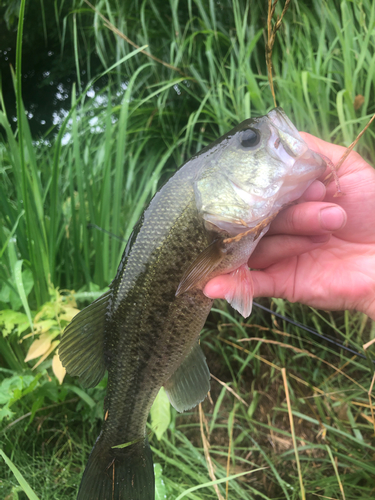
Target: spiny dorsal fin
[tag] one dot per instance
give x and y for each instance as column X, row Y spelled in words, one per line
column 202, row 266
column 81, row 349
column 190, row 383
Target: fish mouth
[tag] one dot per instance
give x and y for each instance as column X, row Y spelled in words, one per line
column 279, row 119
column 305, row 169
column 303, row 165
column 286, row 145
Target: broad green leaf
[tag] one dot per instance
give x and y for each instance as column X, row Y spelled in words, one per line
column 28, row 280
column 32, row 382
column 44, row 326
column 14, row 299
column 5, row 412
column 160, row 487
column 5, row 293
column 11, row 385
column 160, row 414
column 9, row 320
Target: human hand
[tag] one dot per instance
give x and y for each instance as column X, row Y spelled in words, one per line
column 320, row 252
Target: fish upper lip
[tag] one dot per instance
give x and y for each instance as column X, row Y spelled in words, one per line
column 280, row 120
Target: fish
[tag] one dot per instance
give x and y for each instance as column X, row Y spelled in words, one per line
column 205, row 221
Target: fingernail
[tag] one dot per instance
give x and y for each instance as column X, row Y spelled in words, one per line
column 332, row 218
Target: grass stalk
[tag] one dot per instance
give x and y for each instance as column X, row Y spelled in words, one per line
column 291, row 421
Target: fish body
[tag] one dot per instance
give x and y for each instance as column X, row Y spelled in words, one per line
column 205, row 221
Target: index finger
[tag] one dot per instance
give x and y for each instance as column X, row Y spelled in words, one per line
column 331, row 151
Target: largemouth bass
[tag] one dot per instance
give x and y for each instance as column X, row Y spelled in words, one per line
column 205, row 221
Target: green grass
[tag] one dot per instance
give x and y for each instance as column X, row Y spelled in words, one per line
column 333, row 428
column 102, row 164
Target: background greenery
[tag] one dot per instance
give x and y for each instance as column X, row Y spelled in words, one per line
column 116, row 124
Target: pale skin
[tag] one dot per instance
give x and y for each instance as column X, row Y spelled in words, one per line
column 320, row 252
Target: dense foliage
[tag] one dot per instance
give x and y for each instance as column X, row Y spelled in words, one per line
column 124, row 121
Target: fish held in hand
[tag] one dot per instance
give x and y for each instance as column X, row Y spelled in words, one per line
column 205, row 221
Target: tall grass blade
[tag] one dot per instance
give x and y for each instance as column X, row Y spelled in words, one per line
column 21, row 480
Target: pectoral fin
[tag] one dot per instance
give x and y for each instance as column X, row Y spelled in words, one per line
column 240, row 295
column 190, row 383
column 201, row 267
column 81, row 349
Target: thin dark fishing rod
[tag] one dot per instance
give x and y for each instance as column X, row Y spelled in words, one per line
column 94, row 226
column 311, row 330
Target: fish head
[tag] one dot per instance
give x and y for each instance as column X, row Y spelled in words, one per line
column 254, row 170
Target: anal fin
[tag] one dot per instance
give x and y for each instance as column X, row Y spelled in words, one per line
column 190, row 383
column 240, row 295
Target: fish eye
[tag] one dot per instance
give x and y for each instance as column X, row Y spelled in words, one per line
column 250, row 138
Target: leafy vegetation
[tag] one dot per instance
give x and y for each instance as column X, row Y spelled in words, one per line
column 123, row 134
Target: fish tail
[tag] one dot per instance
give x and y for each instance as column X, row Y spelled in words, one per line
column 118, row 473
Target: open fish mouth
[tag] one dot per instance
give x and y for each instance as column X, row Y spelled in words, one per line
column 286, row 144
column 280, row 120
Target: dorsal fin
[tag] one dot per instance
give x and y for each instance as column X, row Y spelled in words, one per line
column 81, row 349
column 190, row 383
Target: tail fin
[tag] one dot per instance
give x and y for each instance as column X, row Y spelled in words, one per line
column 118, row 473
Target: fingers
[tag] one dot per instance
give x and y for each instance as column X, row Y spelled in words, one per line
column 310, row 218
column 264, row 285
column 333, row 151
column 270, row 250
column 218, row 287
column 273, row 249
column 315, row 192
column 297, row 230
